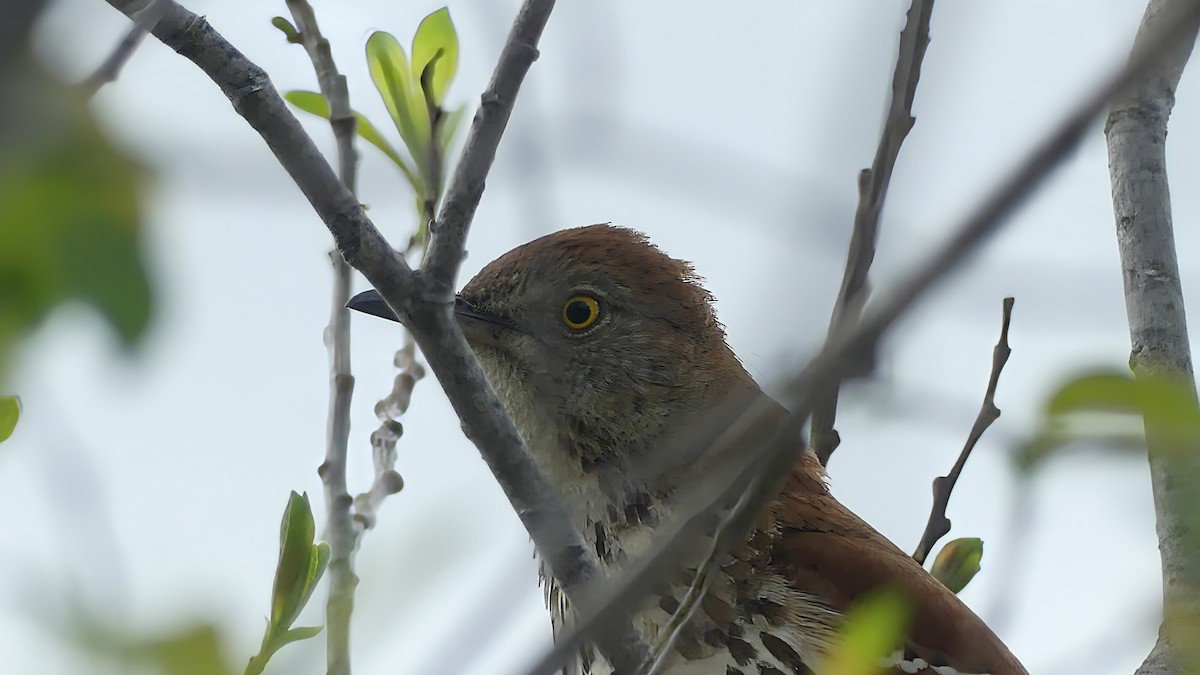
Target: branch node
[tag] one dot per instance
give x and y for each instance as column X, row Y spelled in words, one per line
column 938, row 525
column 872, row 190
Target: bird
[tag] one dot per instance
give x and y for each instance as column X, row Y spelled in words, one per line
column 604, row 351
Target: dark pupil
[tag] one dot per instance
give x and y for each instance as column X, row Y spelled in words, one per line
column 578, row 312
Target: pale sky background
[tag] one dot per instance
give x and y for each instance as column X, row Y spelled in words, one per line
column 731, row 133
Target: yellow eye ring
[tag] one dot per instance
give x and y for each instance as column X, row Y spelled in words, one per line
column 580, row 312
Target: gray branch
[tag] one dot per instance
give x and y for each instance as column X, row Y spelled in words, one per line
column 1137, row 134
column 422, row 301
column 447, row 246
column 872, row 190
column 340, row 527
column 111, row 68
column 938, row 524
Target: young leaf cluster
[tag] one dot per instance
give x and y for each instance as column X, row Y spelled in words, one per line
column 302, row 561
column 414, row 92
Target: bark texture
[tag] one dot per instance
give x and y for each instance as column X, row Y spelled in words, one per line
column 1137, row 134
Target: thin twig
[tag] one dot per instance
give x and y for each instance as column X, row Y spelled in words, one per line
column 340, row 529
column 388, row 410
column 943, row 486
column 449, row 231
column 111, row 68
column 852, row 354
column 872, row 191
column 423, row 305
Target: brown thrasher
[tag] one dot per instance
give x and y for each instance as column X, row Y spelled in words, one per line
column 603, row 348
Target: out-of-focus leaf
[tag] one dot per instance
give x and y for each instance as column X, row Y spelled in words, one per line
column 10, row 412
column 958, row 562
column 1112, row 409
column 70, row 221
column 436, row 39
column 1181, row 623
column 393, row 78
column 1166, row 399
column 315, row 104
column 194, row 651
column 872, row 632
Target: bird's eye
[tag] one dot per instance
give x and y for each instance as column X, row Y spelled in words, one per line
column 580, row 312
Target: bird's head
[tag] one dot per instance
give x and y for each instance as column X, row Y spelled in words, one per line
column 613, row 341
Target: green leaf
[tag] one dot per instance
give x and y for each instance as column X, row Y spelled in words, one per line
column 450, row 128
column 436, row 39
column 871, row 633
column 393, row 78
column 958, row 562
column 289, row 31
column 303, row 633
column 71, row 220
column 320, row 563
column 1113, row 409
column 10, row 412
column 315, row 104
column 194, row 651
column 297, row 560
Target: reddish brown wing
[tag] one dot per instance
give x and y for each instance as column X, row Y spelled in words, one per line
column 828, row 552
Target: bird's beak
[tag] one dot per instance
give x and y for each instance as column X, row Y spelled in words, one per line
column 371, row 302
column 479, row 327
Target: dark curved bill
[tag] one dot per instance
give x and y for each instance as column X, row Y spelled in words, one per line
column 371, row 302
column 464, row 310
column 476, row 324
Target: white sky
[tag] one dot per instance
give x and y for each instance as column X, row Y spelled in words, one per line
column 732, row 134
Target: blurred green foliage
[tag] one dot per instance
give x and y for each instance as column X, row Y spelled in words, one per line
column 872, row 631
column 1113, row 409
column 1116, row 410
column 10, row 412
column 194, row 650
column 71, row 222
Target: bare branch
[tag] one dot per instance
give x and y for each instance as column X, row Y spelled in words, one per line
column 340, row 531
column 449, row 232
column 383, row 440
column 852, row 354
column 111, row 68
column 340, row 527
column 424, row 305
column 1136, row 134
column 872, row 190
column 333, row 88
column 943, row 486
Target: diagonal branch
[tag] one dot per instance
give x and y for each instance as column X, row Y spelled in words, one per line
column 449, row 231
column 943, row 486
column 852, row 354
column 254, row 97
column 111, row 68
column 423, row 301
column 872, row 190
